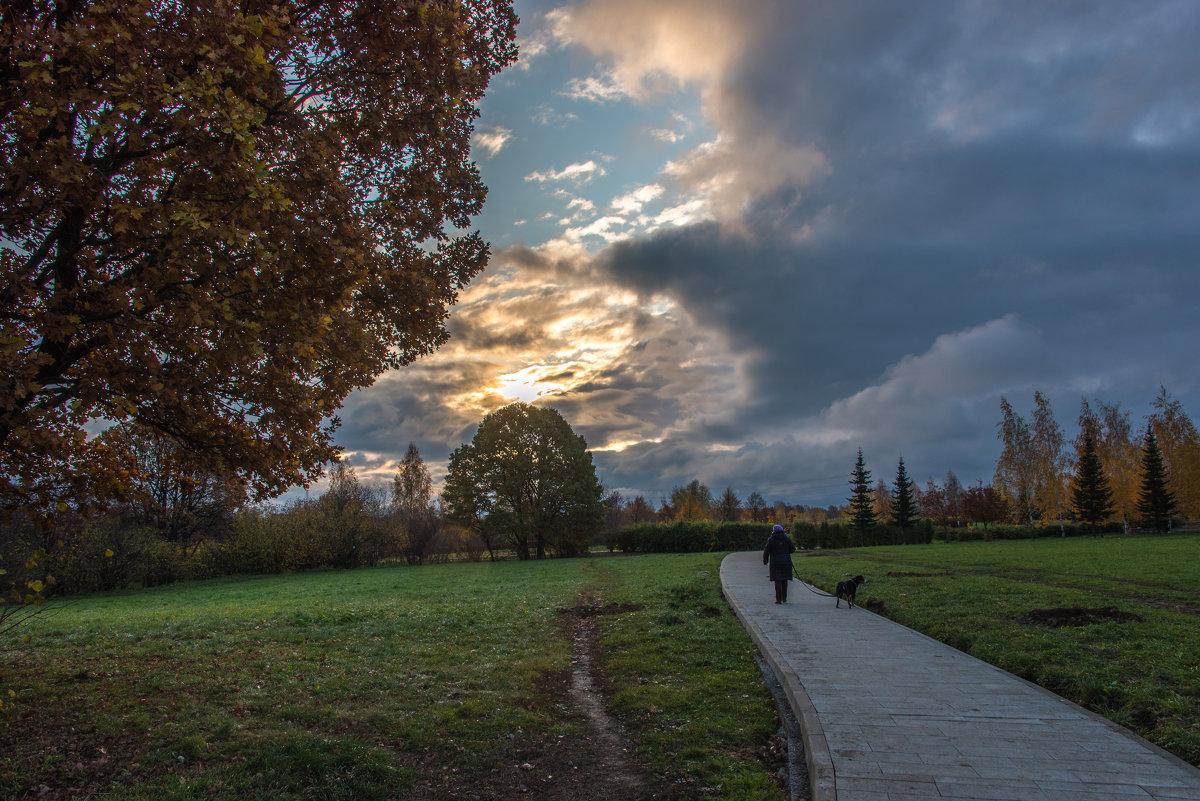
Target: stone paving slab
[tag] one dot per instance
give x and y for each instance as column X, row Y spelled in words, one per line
column 892, row 715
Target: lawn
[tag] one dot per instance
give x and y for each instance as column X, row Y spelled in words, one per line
column 383, row 683
column 448, row 681
column 1142, row 672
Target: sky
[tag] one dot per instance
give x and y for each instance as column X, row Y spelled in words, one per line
column 736, row 241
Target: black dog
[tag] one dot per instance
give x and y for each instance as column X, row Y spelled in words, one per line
column 846, row 589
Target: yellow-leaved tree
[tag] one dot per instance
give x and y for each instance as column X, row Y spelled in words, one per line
column 218, row 219
column 1180, row 443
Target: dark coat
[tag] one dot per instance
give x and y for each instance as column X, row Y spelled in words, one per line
column 778, row 554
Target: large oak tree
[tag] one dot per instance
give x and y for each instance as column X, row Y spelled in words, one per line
column 525, row 481
column 218, row 219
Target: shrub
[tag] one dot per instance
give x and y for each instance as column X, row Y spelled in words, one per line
column 682, row 537
column 740, row 536
column 275, row 541
column 110, row 553
column 677, row 537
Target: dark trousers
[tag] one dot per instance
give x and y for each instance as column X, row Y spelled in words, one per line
column 780, row 591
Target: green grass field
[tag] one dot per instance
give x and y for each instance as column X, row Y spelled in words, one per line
column 418, row 682
column 382, row 683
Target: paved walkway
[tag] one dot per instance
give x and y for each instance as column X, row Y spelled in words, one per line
column 890, row 714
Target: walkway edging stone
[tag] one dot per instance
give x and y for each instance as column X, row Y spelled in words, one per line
column 821, row 775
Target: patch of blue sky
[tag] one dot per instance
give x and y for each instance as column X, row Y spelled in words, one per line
column 564, row 158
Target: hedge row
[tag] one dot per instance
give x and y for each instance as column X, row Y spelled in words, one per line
column 1007, row 531
column 684, row 537
column 843, row 535
column 110, row 553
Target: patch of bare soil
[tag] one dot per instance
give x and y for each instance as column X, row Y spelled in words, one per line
column 898, row 574
column 597, row 763
column 875, row 605
column 1077, row 616
column 588, row 610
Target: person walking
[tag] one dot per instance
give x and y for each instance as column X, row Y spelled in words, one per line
column 778, row 554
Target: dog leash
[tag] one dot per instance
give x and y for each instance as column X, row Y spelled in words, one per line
column 808, row 586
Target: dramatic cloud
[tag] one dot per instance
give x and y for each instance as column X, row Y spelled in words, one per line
column 824, row 229
column 729, row 176
column 659, row 46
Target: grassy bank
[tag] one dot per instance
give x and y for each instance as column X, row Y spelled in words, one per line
column 381, row 683
column 982, row 597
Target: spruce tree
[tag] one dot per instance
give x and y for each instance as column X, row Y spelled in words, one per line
column 1091, row 495
column 1156, row 502
column 904, row 507
column 862, row 510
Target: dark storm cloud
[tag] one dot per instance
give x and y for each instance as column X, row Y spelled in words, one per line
column 1035, row 163
column 912, row 209
column 410, row 406
column 849, row 77
column 478, row 335
column 1063, row 236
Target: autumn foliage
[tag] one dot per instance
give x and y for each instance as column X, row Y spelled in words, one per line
column 218, row 219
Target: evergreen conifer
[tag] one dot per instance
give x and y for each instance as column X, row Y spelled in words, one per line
column 1156, row 502
column 904, row 507
column 862, row 510
column 1091, row 495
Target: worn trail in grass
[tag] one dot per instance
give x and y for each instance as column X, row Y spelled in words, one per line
column 386, row 683
column 1143, row 673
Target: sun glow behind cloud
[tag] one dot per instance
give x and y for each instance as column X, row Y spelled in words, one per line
column 527, row 385
column 578, row 347
column 689, row 197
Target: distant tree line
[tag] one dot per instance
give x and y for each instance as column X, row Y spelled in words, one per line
column 701, row 536
column 1113, row 476
column 176, row 522
column 526, row 487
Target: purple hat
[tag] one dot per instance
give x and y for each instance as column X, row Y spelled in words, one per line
column 777, row 527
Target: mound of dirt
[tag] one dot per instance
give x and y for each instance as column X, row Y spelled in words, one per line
column 1077, row 616
column 875, row 605
column 591, row 610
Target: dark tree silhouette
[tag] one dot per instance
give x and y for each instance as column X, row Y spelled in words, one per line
column 757, row 507
column 1156, row 502
column 729, row 505
column 862, row 510
column 1091, row 495
column 526, row 481
column 904, row 507
column 412, row 505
